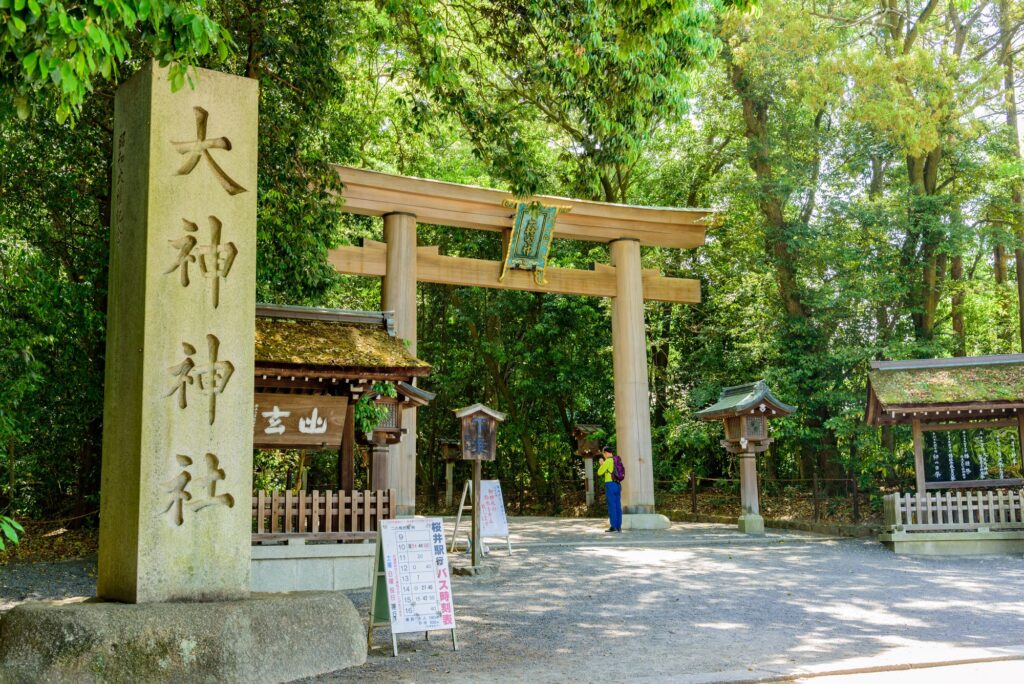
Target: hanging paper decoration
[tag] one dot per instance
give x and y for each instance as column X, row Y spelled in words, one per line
column 530, row 243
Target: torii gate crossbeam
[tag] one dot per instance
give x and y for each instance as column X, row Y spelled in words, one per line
column 405, row 201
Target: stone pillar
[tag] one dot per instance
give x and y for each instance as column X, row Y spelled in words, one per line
column 588, row 473
column 176, row 479
column 449, row 485
column 750, row 521
column 632, row 400
column 398, row 294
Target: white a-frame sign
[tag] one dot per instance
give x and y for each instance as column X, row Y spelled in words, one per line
column 412, row 582
column 493, row 520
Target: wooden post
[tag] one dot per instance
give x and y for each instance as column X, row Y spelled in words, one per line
column 693, row 492
column 347, row 455
column 748, row 484
column 1020, row 426
column 853, row 484
column 629, row 361
column 449, row 485
column 918, row 456
column 476, row 514
column 588, row 474
column 379, row 467
column 814, row 493
column 856, row 503
column 398, row 294
column 750, row 520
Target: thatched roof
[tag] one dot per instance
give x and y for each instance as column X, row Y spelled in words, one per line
column 975, row 384
column 344, row 343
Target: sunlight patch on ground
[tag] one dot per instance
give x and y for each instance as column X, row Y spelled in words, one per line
column 874, row 615
column 721, row 625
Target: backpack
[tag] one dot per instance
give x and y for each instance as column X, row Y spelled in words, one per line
column 618, row 471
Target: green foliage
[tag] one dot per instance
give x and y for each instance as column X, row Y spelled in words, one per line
column 9, row 529
column 605, row 75
column 854, row 177
column 53, row 53
column 368, row 412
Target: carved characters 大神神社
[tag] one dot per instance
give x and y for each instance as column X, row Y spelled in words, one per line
column 203, row 488
column 214, row 259
column 200, row 149
column 210, row 379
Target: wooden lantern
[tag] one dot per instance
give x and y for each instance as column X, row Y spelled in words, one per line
column 744, row 411
column 479, row 429
column 586, row 445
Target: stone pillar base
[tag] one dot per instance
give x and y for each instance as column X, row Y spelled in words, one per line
column 645, row 521
column 266, row 638
column 751, row 523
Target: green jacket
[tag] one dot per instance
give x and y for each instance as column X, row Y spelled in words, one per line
column 606, row 469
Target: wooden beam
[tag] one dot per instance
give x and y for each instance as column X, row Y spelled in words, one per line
column 465, row 206
column 432, row 267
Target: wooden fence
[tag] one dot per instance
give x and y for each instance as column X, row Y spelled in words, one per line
column 320, row 516
column 966, row 510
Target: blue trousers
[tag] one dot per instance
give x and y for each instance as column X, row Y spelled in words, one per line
column 613, row 494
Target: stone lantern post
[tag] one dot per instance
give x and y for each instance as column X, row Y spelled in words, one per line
column 744, row 411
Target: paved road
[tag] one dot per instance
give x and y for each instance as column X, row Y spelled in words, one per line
column 702, row 603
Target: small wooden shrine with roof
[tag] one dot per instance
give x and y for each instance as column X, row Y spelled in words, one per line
column 966, row 416
column 312, row 366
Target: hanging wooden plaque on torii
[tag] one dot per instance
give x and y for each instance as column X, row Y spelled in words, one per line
column 530, row 243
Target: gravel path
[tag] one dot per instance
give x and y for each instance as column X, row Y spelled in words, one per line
column 20, row 582
column 704, row 603
column 697, row 603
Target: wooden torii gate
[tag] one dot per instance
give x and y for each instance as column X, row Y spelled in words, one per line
column 404, row 201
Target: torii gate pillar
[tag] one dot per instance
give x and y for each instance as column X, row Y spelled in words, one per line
column 632, row 400
column 398, row 294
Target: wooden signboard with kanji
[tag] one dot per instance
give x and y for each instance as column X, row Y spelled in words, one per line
column 298, row 420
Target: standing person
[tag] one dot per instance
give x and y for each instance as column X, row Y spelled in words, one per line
column 611, row 468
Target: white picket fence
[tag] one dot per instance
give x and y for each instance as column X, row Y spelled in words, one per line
column 1000, row 509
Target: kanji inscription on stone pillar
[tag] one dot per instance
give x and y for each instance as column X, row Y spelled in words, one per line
column 177, row 442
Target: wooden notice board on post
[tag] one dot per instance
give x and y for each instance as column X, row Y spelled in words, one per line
column 411, row 582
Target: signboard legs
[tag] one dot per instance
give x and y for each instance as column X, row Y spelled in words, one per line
column 497, row 508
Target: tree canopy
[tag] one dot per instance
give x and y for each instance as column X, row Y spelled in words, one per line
column 864, row 159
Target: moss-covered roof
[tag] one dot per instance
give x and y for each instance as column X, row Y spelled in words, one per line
column 742, row 398
column 971, row 381
column 330, row 343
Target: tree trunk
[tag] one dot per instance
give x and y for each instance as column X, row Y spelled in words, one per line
column 1006, row 35
column 957, row 307
column 659, row 366
column 819, row 452
column 999, row 259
